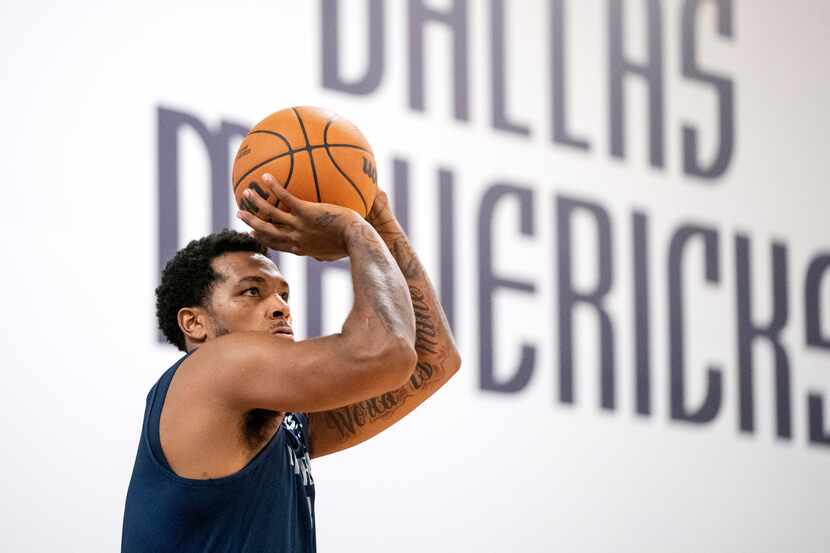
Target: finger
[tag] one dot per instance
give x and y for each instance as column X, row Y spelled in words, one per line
column 292, row 202
column 282, row 244
column 262, row 227
column 270, row 183
column 276, row 237
column 256, row 204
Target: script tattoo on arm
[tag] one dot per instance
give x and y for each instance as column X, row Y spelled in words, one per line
column 419, row 284
column 426, row 341
column 350, row 420
column 433, row 343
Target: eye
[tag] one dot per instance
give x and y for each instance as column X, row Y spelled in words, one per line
column 284, row 296
column 251, row 292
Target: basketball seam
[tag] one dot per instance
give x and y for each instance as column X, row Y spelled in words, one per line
column 290, row 152
column 255, row 167
column 345, row 176
column 362, row 149
column 308, row 151
column 312, row 146
column 260, row 164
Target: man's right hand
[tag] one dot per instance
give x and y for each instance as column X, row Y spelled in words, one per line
column 314, row 229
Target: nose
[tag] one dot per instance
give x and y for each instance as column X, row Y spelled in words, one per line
column 279, row 309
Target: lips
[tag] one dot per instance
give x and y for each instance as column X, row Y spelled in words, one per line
column 282, row 330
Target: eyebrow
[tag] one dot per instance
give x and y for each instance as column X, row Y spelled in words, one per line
column 260, row 280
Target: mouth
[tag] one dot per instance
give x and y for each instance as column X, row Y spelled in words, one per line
column 282, row 331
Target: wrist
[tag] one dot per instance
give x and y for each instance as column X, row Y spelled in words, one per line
column 386, row 224
column 355, row 229
column 380, row 216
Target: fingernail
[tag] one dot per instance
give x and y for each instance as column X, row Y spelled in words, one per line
column 267, row 177
column 247, row 193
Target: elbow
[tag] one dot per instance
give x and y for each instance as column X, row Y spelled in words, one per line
column 400, row 361
column 389, row 363
column 454, row 361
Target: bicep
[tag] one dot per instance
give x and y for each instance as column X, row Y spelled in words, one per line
column 255, row 370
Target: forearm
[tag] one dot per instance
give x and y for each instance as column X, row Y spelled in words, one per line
column 382, row 303
column 438, row 360
column 438, row 356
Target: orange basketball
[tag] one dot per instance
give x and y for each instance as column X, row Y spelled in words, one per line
column 316, row 155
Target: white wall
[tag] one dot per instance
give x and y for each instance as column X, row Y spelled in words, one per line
column 472, row 469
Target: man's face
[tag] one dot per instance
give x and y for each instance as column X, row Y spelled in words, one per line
column 250, row 295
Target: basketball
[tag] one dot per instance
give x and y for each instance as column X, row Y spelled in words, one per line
column 314, row 153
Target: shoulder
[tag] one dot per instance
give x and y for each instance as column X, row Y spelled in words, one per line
column 215, row 366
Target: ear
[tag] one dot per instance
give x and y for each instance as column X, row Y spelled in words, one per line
column 193, row 322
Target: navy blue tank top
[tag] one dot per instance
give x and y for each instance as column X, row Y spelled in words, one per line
column 268, row 506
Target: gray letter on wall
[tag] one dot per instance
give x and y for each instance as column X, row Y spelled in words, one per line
column 332, row 78
column 642, row 324
column 561, row 133
column 651, row 72
column 748, row 331
column 723, row 86
column 815, row 414
column 314, row 271
column 488, row 283
column 217, row 145
column 817, row 270
column 570, row 298
column 711, row 405
column 497, row 77
column 456, row 20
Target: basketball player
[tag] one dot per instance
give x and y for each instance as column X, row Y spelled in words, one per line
column 223, row 460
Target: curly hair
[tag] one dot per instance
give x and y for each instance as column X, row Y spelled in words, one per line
column 187, row 278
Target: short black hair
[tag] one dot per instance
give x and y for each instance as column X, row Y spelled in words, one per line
column 187, row 278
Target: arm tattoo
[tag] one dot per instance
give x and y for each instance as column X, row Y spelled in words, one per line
column 406, row 259
column 422, row 376
column 425, row 334
column 414, row 272
column 432, row 342
column 349, row 420
column 325, row 219
column 386, row 306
